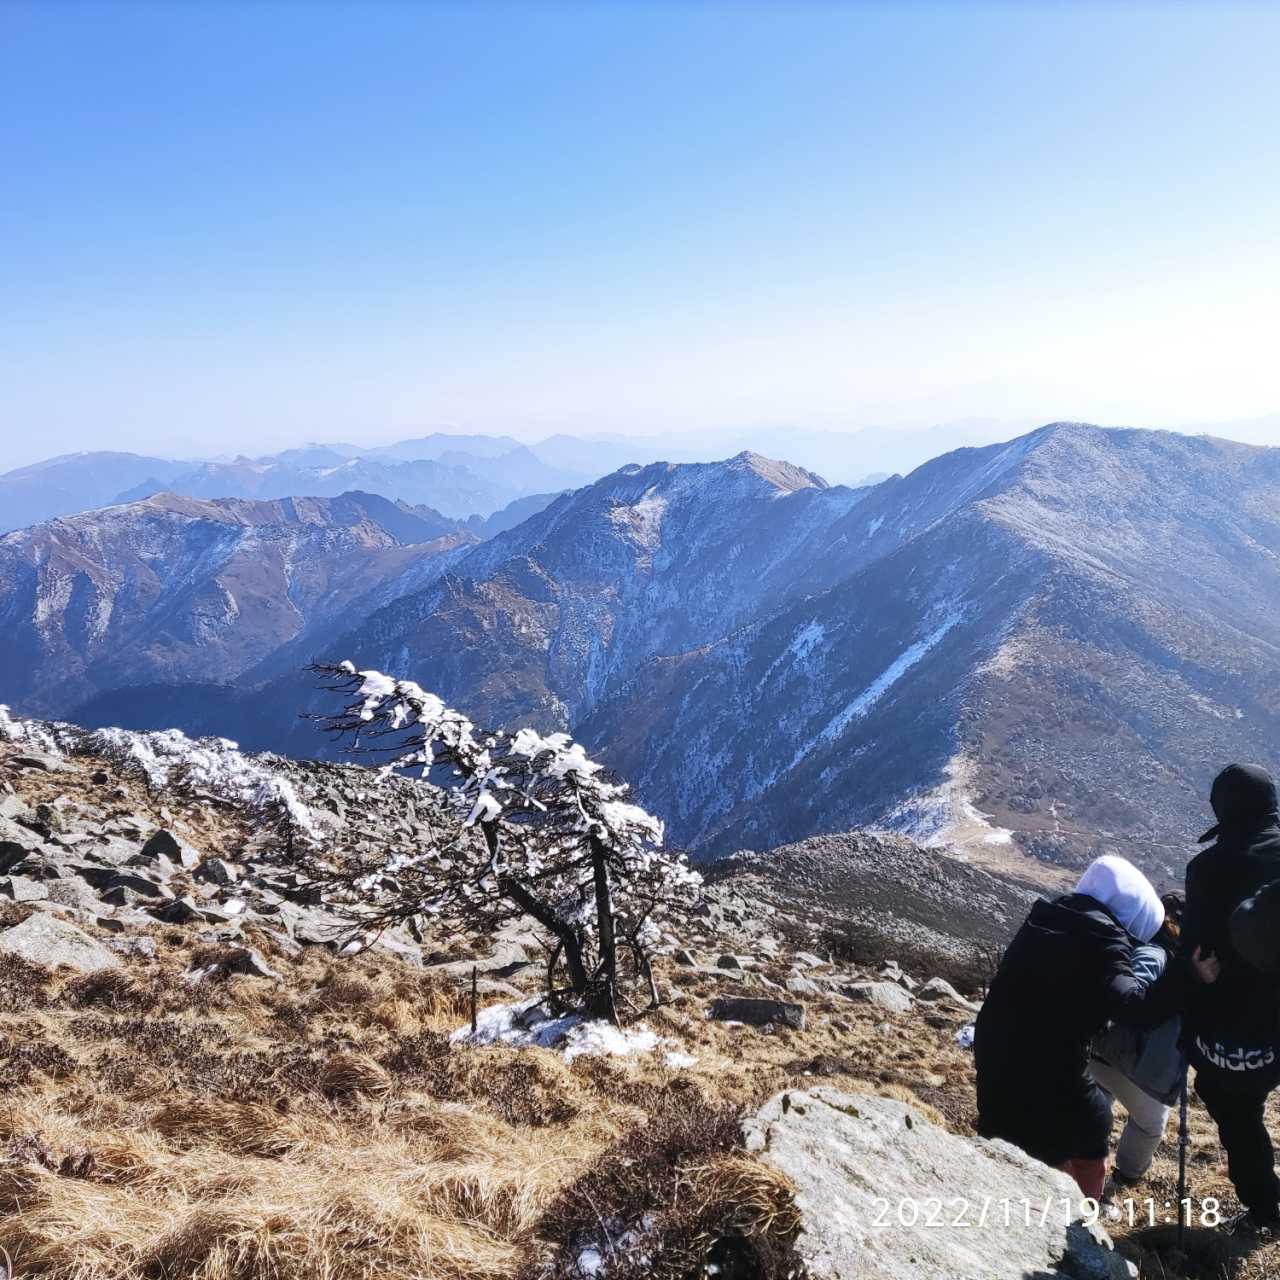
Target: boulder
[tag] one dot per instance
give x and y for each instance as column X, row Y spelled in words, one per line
column 730, row 962
column 941, row 989
column 805, row 987
column 879, row 1190
column 884, row 995
column 139, row 884
column 178, row 911
column 46, row 940
column 37, row 761
column 757, row 1012
column 23, row 889
column 175, row 848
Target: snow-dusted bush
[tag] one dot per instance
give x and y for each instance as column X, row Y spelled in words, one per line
column 537, row 830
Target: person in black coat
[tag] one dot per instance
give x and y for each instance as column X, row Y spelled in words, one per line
column 1065, row 975
column 1232, row 1028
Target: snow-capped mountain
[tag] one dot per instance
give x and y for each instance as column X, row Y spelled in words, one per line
column 178, row 589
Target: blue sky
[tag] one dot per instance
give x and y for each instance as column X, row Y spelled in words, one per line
column 238, row 226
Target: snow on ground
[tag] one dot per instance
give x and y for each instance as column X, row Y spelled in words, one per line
column 525, row 1025
column 946, row 816
column 167, row 756
column 880, row 685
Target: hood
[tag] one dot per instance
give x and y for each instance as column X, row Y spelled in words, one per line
column 1243, row 797
column 1120, row 887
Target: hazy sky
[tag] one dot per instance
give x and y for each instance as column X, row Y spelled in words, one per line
column 237, row 226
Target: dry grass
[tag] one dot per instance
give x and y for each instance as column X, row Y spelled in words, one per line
column 324, row 1128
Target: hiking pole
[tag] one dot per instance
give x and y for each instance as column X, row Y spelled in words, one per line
column 1184, row 1141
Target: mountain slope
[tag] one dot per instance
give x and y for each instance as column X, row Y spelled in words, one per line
column 173, row 588
column 1088, row 630
column 538, row 622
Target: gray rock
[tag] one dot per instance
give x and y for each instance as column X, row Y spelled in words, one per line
column 809, row 960
column 139, row 884
column 729, row 962
column 37, row 761
column 805, row 987
column 175, row 848
column 858, row 1161
column 756, row 1012
column 884, row 995
column 134, row 946
column 683, row 956
column 68, row 891
column 46, row 940
column 216, row 871
column 178, row 911
column 249, row 961
column 941, row 989
column 23, row 889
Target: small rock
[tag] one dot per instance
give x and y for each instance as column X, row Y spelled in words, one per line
column 806, row 987
column 216, row 871
column 941, row 989
column 884, row 995
column 809, row 960
column 249, row 961
column 140, row 885
column 173, row 847
column 134, row 946
column 683, row 956
column 179, row 911
column 729, row 962
column 757, row 1012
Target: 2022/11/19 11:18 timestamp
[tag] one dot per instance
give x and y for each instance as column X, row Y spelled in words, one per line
column 991, row 1213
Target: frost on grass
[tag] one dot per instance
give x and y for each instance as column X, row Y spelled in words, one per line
column 527, row 1024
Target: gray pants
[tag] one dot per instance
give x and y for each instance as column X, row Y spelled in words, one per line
column 1145, row 1126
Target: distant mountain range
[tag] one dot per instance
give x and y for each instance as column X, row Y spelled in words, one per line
column 1045, row 645
column 459, row 476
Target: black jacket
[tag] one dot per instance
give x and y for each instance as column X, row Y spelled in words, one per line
column 1065, row 975
column 1235, row 1022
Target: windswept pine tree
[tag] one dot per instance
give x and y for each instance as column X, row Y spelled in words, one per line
column 536, row 829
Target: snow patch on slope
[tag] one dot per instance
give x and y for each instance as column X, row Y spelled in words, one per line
column 886, row 680
column 946, row 815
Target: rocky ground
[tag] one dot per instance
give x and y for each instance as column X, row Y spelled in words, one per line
column 208, row 1074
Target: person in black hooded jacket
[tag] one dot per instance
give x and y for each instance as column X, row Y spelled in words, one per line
column 1065, row 975
column 1232, row 1029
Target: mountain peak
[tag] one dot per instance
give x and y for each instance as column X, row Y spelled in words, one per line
column 784, row 476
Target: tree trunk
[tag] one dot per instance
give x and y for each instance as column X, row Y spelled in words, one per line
column 579, row 979
column 606, row 1001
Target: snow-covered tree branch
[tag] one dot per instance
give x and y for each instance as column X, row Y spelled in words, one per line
column 535, row 829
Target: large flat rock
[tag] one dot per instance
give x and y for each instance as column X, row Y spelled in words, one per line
column 46, row 940
column 857, row 1161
